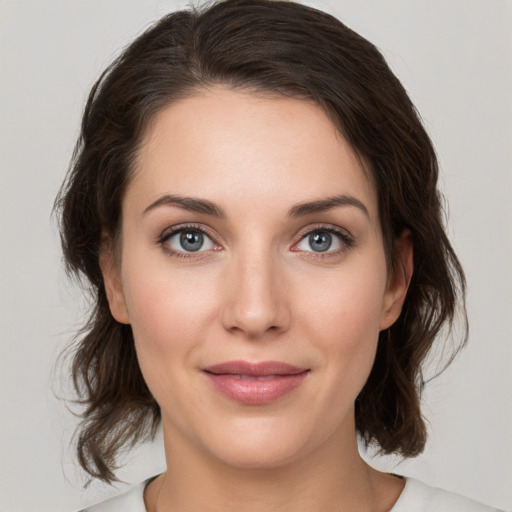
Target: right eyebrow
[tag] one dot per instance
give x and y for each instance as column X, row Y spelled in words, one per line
column 192, row 204
column 329, row 203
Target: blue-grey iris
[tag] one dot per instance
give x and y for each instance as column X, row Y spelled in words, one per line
column 191, row 240
column 320, row 241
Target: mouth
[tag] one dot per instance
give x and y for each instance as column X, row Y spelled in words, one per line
column 255, row 383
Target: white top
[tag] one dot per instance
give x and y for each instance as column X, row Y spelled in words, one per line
column 416, row 497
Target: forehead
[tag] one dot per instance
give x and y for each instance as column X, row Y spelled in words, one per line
column 232, row 146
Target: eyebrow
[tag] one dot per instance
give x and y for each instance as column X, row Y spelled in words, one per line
column 187, row 203
column 323, row 205
column 300, row 210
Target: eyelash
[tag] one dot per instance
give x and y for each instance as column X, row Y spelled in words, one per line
column 169, row 233
column 346, row 240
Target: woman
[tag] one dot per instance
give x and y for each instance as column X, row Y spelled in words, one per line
column 253, row 200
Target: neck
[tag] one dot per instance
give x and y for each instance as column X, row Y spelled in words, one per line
column 331, row 478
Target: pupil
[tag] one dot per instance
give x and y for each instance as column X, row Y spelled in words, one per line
column 320, row 242
column 191, row 240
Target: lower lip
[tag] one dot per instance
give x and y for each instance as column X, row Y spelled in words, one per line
column 255, row 392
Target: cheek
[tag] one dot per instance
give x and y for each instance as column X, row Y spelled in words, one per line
column 342, row 317
column 347, row 305
column 168, row 313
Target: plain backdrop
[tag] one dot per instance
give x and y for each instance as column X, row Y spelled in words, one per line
column 454, row 57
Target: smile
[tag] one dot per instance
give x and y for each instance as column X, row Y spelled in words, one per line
column 255, row 384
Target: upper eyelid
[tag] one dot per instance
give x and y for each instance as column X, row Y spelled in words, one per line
column 172, row 230
column 324, row 227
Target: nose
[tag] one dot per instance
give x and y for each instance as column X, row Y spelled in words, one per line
column 255, row 295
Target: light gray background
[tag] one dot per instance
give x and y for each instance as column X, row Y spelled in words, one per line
column 454, row 57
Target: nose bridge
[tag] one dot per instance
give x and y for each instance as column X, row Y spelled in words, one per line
column 255, row 303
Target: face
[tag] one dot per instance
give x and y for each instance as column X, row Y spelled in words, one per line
column 253, row 274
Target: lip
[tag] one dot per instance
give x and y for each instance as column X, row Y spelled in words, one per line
column 255, row 383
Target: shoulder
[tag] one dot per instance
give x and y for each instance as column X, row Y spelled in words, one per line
column 131, row 501
column 416, row 496
column 421, row 497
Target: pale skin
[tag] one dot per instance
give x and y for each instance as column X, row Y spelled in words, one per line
column 255, row 288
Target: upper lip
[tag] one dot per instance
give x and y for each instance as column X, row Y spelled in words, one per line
column 261, row 369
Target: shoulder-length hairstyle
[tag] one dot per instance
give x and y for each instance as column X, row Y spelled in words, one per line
column 270, row 47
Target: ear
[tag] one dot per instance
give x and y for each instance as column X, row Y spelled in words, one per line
column 112, row 281
column 398, row 280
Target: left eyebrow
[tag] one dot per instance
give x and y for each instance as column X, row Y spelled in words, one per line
column 323, row 205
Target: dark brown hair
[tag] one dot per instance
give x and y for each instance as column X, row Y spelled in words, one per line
column 275, row 47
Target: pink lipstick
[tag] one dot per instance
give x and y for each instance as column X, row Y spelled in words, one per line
column 255, row 383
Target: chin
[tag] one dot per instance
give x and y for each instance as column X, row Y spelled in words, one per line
column 256, row 456
column 261, row 444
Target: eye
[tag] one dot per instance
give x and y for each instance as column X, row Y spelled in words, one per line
column 323, row 241
column 187, row 240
